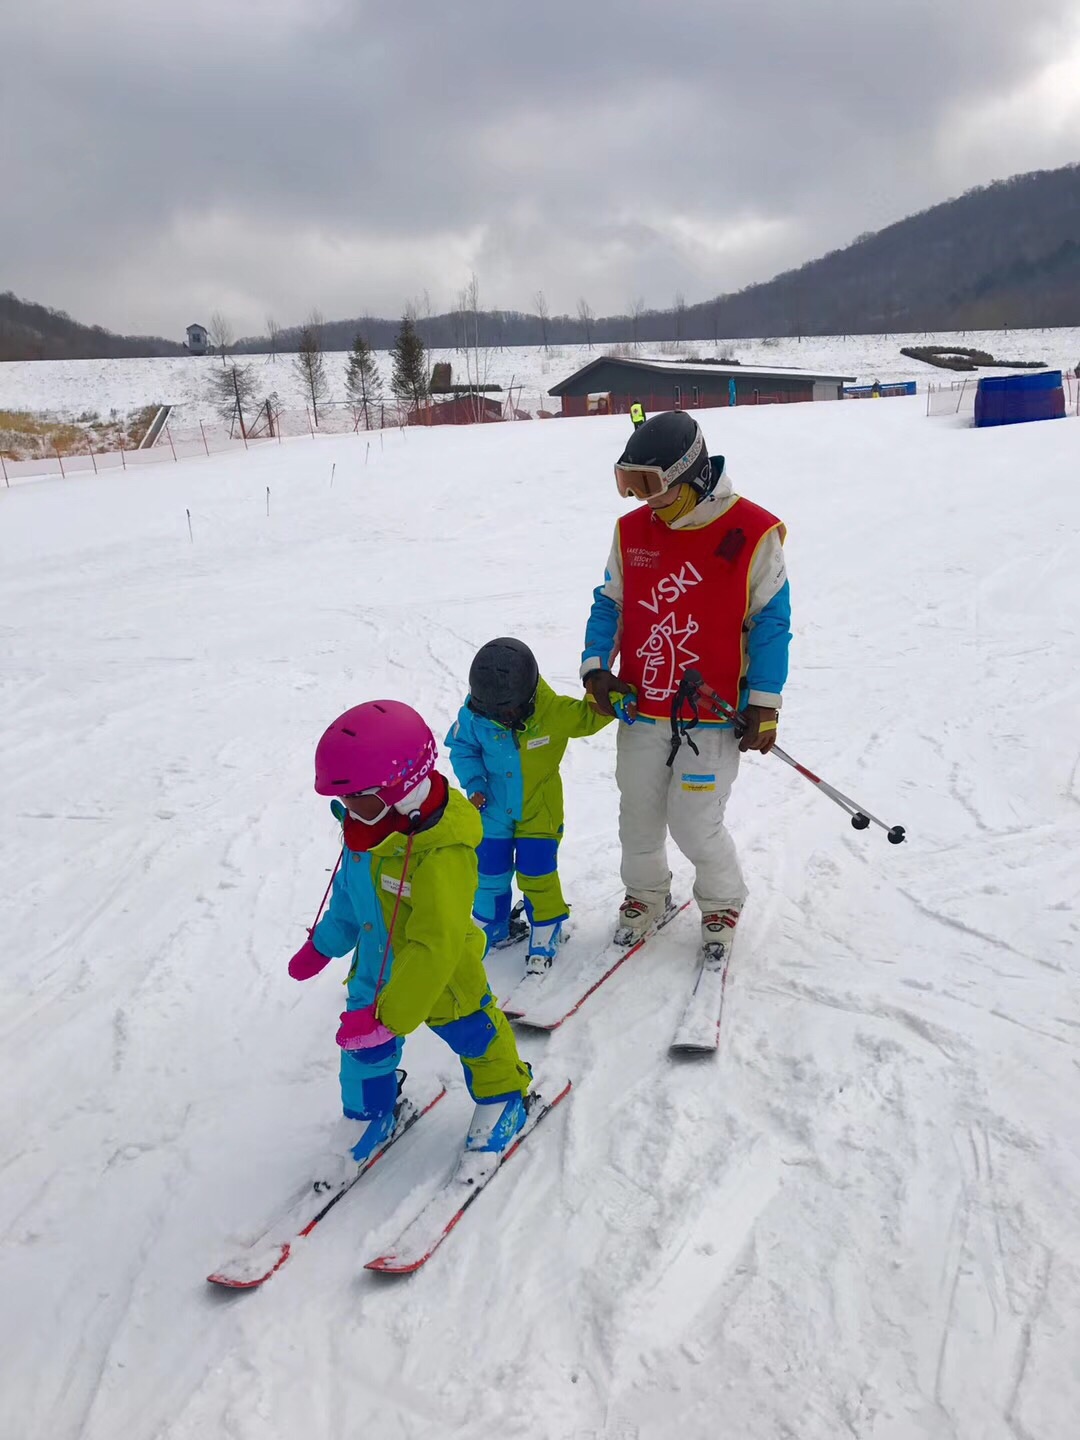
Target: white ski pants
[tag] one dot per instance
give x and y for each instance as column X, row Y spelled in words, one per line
column 688, row 800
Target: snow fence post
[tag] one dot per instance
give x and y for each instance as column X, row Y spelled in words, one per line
column 172, row 447
column 56, row 452
column 3, row 467
column 202, row 432
column 93, row 457
column 191, row 535
column 268, row 502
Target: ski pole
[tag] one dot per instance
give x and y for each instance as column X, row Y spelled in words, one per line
column 861, row 818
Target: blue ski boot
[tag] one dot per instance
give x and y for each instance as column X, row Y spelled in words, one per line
column 544, row 941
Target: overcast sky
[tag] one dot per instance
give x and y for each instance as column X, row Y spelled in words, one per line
column 163, row 159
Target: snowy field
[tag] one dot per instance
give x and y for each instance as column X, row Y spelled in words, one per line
column 861, row 1219
column 69, row 388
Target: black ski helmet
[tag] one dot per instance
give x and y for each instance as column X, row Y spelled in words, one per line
column 670, row 440
column 502, row 681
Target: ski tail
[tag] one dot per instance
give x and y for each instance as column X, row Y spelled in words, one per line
column 423, row 1235
column 253, row 1266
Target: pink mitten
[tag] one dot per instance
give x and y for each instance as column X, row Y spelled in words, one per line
column 307, row 962
column 362, row 1030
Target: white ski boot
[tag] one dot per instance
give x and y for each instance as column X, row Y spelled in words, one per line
column 718, row 933
column 637, row 918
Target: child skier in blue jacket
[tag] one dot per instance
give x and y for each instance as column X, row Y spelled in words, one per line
column 506, row 748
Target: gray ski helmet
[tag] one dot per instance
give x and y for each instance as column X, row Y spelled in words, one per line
column 502, row 680
column 673, row 441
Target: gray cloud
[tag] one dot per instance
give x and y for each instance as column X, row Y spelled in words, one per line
column 162, row 162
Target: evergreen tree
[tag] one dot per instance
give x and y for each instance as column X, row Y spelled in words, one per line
column 409, row 381
column 363, row 383
column 309, row 364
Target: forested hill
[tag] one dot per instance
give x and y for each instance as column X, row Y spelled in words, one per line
column 1006, row 254
column 34, row 332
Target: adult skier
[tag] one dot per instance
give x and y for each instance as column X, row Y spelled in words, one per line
column 695, row 579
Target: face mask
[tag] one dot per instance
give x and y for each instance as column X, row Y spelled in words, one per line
column 684, row 501
column 410, row 805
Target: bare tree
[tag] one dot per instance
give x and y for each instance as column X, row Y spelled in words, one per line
column 273, row 335
column 586, row 316
column 680, row 316
column 540, row 301
column 637, row 308
column 477, row 354
column 233, row 392
column 309, row 362
column 221, row 334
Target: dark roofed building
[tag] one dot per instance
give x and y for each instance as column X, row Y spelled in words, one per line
column 610, row 385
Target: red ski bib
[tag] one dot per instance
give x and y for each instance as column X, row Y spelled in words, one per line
column 685, row 598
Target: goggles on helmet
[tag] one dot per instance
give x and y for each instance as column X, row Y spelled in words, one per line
column 646, row 482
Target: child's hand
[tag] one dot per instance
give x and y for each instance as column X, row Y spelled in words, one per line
column 307, row 962
column 363, row 1030
column 479, row 799
column 624, row 707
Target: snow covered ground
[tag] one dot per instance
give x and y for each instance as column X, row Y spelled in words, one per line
column 862, row 1218
column 70, row 388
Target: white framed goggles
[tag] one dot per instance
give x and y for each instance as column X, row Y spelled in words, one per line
column 366, row 805
column 642, row 482
column 646, row 482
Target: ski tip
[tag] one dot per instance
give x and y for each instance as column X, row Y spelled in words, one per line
column 391, row 1265
column 564, row 1089
column 430, row 1105
column 252, row 1275
column 525, row 1021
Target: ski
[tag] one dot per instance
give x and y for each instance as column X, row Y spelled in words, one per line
column 544, row 1002
column 698, row 1032
column 268, row 1252
column 423, row 1235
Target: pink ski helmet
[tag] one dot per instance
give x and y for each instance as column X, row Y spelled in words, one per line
column 382, row 746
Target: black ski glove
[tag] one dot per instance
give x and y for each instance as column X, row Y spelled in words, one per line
column 602, row 685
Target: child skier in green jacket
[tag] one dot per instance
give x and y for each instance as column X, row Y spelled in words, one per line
column 400, row 907
column 506, row 748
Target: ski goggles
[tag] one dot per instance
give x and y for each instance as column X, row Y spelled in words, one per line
column 366, row 805
column 646, row 482
column 641, row 482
